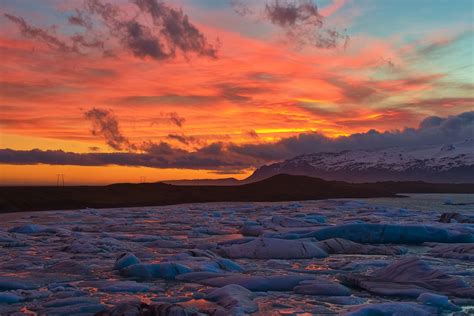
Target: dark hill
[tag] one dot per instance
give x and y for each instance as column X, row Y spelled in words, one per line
column 277, row 188
column 222, row 181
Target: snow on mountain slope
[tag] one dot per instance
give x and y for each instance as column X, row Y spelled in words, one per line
column 440, row 163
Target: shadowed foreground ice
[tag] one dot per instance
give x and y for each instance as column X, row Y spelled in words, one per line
column 305, row 258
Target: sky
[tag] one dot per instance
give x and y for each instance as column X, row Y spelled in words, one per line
column 108, row 91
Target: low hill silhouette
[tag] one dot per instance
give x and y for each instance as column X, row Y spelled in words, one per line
column 281, row 187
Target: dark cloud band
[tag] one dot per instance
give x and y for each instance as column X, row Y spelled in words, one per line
column 219, row 156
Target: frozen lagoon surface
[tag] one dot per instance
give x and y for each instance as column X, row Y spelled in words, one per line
column 349, row 257
column 444, row 202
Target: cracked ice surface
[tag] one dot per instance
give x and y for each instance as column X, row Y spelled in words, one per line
column 308, row 258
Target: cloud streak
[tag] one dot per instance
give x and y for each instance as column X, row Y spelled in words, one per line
column 230, row 91
column 175, row 119
column 169, row 118
column 183, row 139
column 40, row 34
column 300, row 20
column 105, row 124
column 293, row 13
column 170, row 33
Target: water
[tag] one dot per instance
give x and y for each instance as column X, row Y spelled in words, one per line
column 72, row 253
column 428, row 202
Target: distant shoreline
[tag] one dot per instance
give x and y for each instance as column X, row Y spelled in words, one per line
column 278, row 188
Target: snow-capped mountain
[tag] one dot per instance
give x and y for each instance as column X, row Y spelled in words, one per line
column 450, row 163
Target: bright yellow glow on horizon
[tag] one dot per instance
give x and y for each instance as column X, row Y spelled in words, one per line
column 22, row 142
column 99, row 175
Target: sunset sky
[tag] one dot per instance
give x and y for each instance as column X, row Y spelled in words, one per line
column 113, row 91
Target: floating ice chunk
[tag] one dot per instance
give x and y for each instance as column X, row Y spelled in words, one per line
column 320, row 310
column 270, row 248
column 113, row 286
column 288, row 236
column 229, row 265
column 456, row 218
column 125, row 260
column 125, row 286
column 448, row 201
column 285, row 221
column 133, row 238
column 391, row 233
column 14, row 283
column 166, row 270
column 129, row 307
column 461, row 252
column 251, row 228
column 294, row 205
column 358, row 265
column 76, row 309
column 140, row 308
column 439, row 301
column 11, row 240
column 9, row 298
column 250, row 282
column 82, row 245
column 71, row 301
column 354, row 204
column 204, row 260
column 343, row 300
column 409, row 277
column 343, row 246
column 323, row 287
column 29, row 295
column 390, row 309
column 32, row 229
column 69, row 267
column 209, row 231
column 195, row 277
column 315, row 218
column 6, row 238
column 163, row 243
column 236, row 299
column 161, row 306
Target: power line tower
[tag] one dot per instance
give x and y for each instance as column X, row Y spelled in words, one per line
column 142, row 179
column 60, row 180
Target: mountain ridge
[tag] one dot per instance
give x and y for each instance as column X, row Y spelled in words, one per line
column 450, row 163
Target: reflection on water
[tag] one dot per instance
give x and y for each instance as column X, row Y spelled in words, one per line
column 315, row 267
column 199, row 304
column 27, row 312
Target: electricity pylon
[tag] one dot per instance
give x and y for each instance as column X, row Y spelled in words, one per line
column 60, row 180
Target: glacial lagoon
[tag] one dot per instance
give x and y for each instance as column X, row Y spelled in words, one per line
column 349, row 257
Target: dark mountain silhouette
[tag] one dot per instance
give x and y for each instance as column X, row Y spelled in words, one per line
column 221, row 181
column 277, row 188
